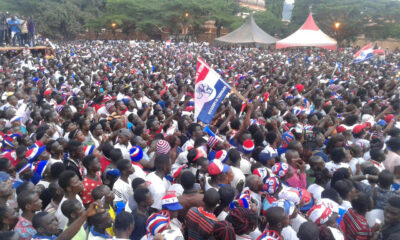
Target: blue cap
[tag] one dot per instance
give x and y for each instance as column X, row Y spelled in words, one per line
column 4, row 176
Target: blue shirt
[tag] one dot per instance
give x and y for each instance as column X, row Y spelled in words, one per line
column 15, row 25
column 37, row 237
column 94, row 233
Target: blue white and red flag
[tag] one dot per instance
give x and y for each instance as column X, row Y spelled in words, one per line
column 210, row 90
column 364, row 54
column 168, row 43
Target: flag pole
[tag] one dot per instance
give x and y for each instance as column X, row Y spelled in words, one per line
column 233, row 90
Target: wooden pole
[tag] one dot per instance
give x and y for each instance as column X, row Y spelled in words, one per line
column 233, row 90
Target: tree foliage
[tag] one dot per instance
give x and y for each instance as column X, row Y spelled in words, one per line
column 275, row 7
column 271, row 24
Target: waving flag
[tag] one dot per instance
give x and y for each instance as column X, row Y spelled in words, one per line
column 364, row 54
column 168, row 43
column 210, row 90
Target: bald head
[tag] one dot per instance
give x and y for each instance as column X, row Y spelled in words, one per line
column 308, row 231
column 291, row 155
column 253, row 182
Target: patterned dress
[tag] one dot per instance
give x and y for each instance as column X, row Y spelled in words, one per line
column 88, row 186
column 24, row 228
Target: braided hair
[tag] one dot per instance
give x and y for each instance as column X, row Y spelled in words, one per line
column 224, row 230
column 243, row 220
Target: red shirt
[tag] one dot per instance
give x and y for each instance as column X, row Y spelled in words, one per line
column 88, row 186
column 104, row 162
column 355, row 226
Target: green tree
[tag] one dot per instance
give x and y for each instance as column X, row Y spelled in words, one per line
column 275, row 7
column 228, row 17
column 271, row 24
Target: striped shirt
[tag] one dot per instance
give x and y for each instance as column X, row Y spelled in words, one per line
column 355, row 226
column 199, row 223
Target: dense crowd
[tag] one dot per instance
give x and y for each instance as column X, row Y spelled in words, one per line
column 99, row 141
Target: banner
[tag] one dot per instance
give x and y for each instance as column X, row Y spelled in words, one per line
column 210, row 90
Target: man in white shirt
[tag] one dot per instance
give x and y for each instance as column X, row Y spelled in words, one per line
column 156, row 181
column 124, row 137
column 72, row 186
column 123, row 186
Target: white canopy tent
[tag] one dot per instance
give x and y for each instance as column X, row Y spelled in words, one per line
column 309, row 35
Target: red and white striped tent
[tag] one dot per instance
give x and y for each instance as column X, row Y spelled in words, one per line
column 309, row 35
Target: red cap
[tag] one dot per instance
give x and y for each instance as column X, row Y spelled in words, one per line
column 359, row 128
column 47, row 92
column 340, row 129
column 299, row 87
column 189, row 108
column 389, row 118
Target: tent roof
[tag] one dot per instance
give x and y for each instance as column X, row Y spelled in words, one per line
column 248, row 33
column 309, row 35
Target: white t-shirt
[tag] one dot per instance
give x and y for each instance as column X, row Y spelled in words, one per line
column 337, row 234
column 297, row 221
column 63, row 220
column 123, row 191
column 353, row 164
column 124, row 149
column 102, row 111
column 182, row 158
column 237, row 176
column 188, row 144
column 255, row 234
column 176, row 189
column 139, row 173
column 52, row 161
column 332, row 167
column 316, row 191
column 346, row 205
column 158, row 188
column 222, row 216
column 245, row 166
column 363, row 143
column 289, row 234
column 138, row 103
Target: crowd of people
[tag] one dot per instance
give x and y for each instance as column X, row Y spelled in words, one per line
column 15, row 30
column 100, row 142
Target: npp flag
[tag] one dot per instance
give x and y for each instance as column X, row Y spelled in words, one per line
column 364, row 54
column 168, row 43
column 210, row 90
